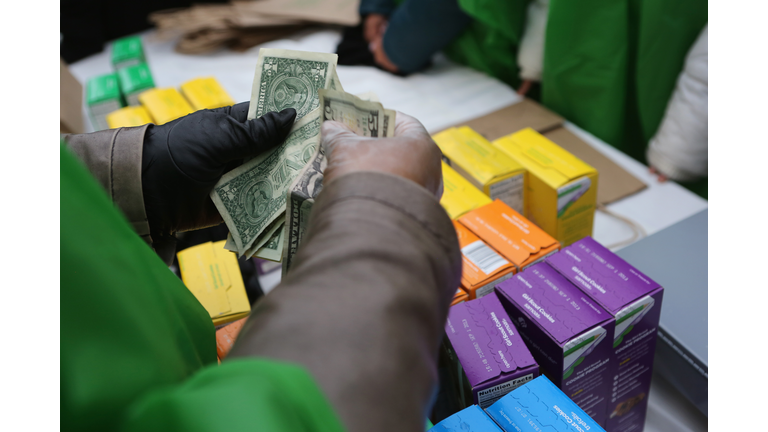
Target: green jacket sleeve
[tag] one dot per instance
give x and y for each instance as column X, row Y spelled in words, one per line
column 138, row 350
column 239, row 395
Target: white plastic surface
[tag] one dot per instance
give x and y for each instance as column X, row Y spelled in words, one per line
column 439, row 97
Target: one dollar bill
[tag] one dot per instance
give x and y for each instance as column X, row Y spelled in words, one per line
column 290, row 79
column 365, row 118
column 252, row 197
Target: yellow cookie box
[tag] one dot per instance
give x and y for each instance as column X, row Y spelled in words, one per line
column 562, row 189
column 459, row 195
column 212, row 274
column 128, row 117
column 483, row 165
column 165, row 104
column 206, row 93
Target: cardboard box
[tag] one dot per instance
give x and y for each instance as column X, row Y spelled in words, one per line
column 482, row 268
column 165, row 104
column 128, row 117
column 634, row 300
column 126, row 52
column 540, row 406
column 490, row 170
column 568, row 334
column 102, row 96
column 133, row 81
column 213, row 275
column 206, row 93
column 510, row 234
column 486, row 351
column 515, row 117
column 467, row 420
column 70, row 102
column 459, row 195
column 460, row 297
column 561, row 196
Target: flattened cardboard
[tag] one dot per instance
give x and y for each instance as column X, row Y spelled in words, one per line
column 70, row 101
column 614, row 182
column 330, row 11
column 513, row 118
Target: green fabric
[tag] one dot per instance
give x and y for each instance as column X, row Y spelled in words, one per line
column 133, row 338
column 699, row 187
column 609, row 66
column 239, row 395
column 491, row 41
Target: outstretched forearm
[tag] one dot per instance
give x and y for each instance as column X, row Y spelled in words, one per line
column 364, row 305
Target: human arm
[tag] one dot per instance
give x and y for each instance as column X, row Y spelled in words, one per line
column 375, row 14
column 679, row 150
column 364, row 304
column 416, row 30
column 530, row 55
column 160, row 176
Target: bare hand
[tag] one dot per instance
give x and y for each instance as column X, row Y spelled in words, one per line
column 410, row 154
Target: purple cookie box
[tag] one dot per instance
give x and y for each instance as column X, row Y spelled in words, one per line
column 492, row 354
column 607, row 278
column 635, row 301
column 555, row 318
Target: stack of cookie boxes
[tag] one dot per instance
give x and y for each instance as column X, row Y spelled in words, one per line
column 588, row 320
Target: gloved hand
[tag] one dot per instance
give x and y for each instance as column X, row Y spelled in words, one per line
column 411, row 153
column 183, row 159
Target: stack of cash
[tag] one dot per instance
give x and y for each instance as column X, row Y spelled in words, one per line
column 266, row 201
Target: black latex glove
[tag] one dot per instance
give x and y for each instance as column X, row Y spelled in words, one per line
column 185, row 158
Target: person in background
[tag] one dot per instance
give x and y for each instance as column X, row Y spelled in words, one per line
column 609, row 67
column 415, row 31
column 347, row 341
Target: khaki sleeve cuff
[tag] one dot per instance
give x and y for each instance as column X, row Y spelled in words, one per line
column 114, row 158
